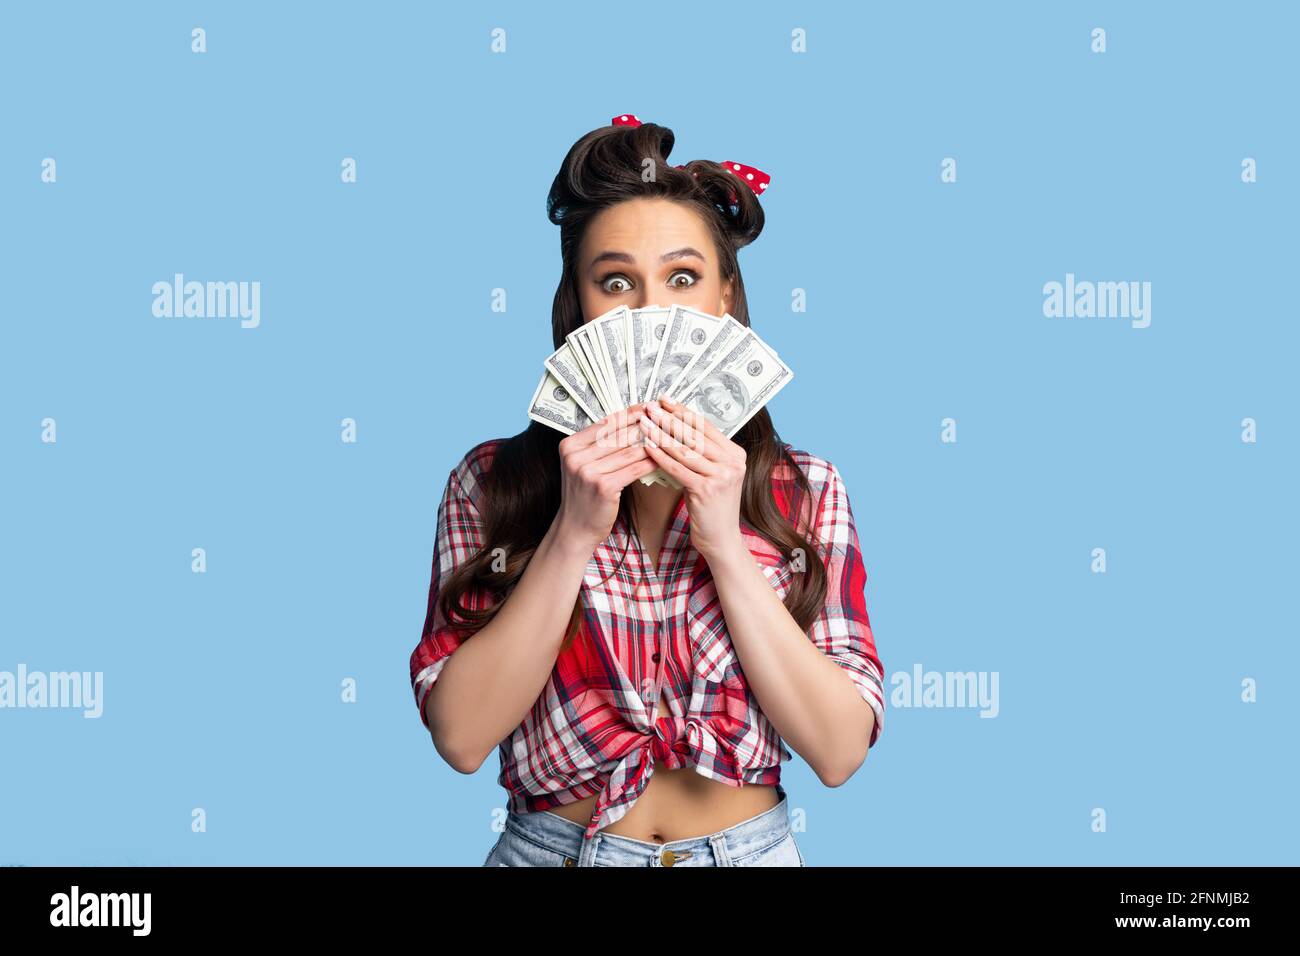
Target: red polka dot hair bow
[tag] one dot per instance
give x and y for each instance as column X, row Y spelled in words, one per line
column 752, row 176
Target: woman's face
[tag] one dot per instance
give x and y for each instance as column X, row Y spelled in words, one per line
column 644, row 252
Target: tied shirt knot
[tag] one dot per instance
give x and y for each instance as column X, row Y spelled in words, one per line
column 668, row 744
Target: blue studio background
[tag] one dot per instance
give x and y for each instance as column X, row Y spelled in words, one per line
column 1119, row 692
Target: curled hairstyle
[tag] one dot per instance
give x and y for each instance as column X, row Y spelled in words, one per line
column 522, row 488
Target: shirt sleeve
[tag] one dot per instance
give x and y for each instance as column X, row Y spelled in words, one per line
column 843, row 629
column 459, row 537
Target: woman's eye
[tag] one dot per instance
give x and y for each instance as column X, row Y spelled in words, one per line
column 682, row 273
column 614, row 281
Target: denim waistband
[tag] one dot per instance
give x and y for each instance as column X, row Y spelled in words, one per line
column 610, row 849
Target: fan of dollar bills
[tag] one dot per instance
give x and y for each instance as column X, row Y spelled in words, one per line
column 711, row 364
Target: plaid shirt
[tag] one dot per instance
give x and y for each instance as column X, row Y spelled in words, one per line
column 647, row 632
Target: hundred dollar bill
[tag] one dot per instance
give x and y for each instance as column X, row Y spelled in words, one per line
column 681, row 361
column 565, row 367
column 687, row 335
column 729, row 333
column 645, row 334
column 595, row 348
column 740, row 382
column 611, row 337
column 583, row 343
column 658, row 477
column 553, row 405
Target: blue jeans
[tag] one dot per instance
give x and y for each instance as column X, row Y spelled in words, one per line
column 544, row 838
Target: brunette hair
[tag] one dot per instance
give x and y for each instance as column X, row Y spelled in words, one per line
column 522, row 487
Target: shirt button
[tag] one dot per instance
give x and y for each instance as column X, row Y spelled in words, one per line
column 655, row 657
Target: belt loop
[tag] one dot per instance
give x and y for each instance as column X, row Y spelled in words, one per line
column 587, row 854
column 720, row 855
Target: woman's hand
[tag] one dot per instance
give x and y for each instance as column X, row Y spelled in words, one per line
column 595, row 465
column 710, row 467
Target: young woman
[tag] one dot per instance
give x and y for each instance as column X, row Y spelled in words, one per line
column 641, row 654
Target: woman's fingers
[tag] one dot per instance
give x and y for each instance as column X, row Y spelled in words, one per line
column 730, row 449
column 630, row 473
column 688, row 456
column 618, row 459
column 600, row 431
column 610, row 434
column 686, row 426
column 674, row 468
column 700, row 421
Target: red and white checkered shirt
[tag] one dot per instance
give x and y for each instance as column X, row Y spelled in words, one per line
column 650, row 632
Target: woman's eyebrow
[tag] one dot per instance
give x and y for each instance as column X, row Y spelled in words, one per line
column 682, row 253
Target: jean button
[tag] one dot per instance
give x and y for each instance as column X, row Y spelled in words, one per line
column 668, row 858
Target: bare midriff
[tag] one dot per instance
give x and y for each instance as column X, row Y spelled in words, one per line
column 679, row 804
